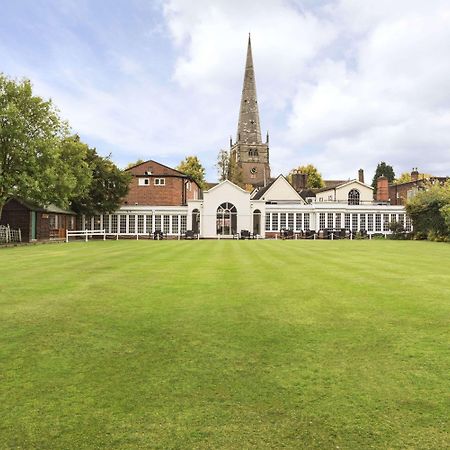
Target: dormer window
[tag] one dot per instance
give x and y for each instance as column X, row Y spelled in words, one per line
column 148, row 172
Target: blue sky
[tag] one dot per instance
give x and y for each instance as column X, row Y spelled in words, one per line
column 342, row 84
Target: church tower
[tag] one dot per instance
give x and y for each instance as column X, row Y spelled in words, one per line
column 249, row 154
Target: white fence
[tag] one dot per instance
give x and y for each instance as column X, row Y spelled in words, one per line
column 85, row 234
column 7, row 235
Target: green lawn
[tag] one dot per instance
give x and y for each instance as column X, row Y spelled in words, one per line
column 225, row 344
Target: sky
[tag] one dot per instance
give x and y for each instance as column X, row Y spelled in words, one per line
column 342, row 84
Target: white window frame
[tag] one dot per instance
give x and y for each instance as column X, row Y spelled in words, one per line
column 144, row 182
column 159, row 182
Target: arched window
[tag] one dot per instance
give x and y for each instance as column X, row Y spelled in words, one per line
column 353, row 197
column 196, row 221
column 256, row 222
column 226, row 219
column 253, row 152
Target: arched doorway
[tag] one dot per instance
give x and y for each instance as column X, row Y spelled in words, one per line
column 196, row 221
column 226, row 219
column 353, row 197
column 256, row 221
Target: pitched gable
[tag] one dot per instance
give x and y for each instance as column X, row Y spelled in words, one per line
column 279, row 190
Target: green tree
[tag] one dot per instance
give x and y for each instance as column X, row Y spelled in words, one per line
column 139, row 161
column 37, row 161
column 192, row 167
column 314, row 179
column 108, row 186
column 405, row 177
column 428, row 210
column 383, row 169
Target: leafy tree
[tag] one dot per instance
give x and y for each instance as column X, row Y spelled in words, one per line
column 405, row 177
column 428, row 210
column 37, row 158
column 108, row 186
column 383, row 169
column 314, row 179
column 139, row 161
column 191, row 166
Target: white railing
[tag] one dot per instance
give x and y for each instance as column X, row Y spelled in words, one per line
column 7, row 235
column 85, row 234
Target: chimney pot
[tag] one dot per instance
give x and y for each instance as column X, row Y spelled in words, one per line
column 361, row 175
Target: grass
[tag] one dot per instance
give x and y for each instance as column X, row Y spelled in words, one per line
column 225, row 344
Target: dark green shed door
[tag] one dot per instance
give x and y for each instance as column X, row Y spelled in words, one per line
column 33, row 225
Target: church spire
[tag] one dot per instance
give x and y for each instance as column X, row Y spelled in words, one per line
column 249, row 131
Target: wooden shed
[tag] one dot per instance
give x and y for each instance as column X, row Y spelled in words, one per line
column 37, row 223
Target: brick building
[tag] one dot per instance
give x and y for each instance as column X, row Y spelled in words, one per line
column 399, row 194
column 154, row 184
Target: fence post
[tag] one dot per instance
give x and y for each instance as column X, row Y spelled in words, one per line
column 67, row 235
column 85, row 232
column 20, row 235
column 8, row 234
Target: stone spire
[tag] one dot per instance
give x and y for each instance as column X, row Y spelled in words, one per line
column 249, row 131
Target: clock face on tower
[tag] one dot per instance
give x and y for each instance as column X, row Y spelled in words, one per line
column 253, row 170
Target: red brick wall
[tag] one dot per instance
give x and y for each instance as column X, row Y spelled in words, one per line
column 173, row 193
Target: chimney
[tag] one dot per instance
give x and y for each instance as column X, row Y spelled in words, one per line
column 299, row 180
column 414, row 174
column 361, row 175
column 382, row 189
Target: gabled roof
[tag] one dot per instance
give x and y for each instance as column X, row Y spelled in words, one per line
column 218, row 185
column 265, row 191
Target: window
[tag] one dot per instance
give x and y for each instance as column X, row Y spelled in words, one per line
column 330, row 198
column 175, row 224
column 166, row 229
column 160, row 182
column 253, row 152
column 143, row 181
column 321, row 221
column 338, row 221
column 282, row 221
column 354, row 222
column 140, row 224
column 52, row 221
column 306, row 221
column 226, row 219
column 131, row 224
column 106, row 224
column 291, row 221
column 370, row 222
column 347, row 221
column 377, row 222
column 274, row 221
column 196, row 221
column 330, row 220
column 256, row 221
column 114, row 223
column 385, row 222
column 362, row 221
column 353, row 197
column 157, row 222
column 123, row 224
column 298, row 221
column 183, row 224
column 267, row 221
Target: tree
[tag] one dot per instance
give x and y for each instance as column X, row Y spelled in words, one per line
column 383, row 169
column 192, row 167
column 428, row 210
column 405, row 177
column 37, row 159
column 223, row 165
column 108, row 186
column 314, row 179
column 139, row 161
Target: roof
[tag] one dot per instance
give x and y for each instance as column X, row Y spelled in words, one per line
column 339, row 185
column 210, row 185
column 51, row 208
column 259, row 193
